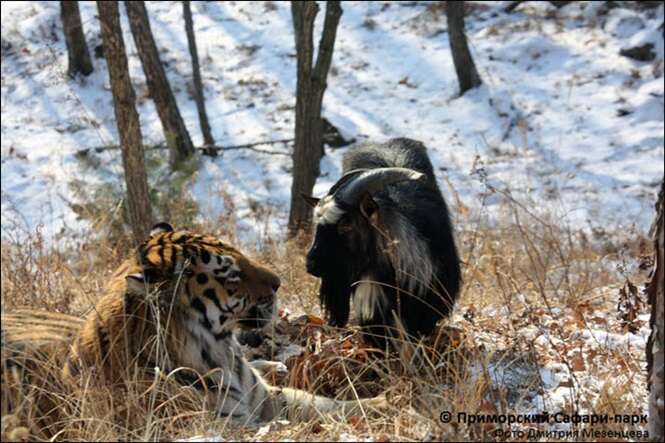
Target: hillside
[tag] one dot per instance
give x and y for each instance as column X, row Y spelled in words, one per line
column 551, row 171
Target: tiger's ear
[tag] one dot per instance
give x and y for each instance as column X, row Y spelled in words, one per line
column 161, row 227
column 312, row 201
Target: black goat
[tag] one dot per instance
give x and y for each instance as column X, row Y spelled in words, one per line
column 383, row 237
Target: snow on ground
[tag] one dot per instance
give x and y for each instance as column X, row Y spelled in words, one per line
column 572, row 363
column 562, row 119
column 562, row 122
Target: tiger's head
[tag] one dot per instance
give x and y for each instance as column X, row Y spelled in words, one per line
column 211, row 280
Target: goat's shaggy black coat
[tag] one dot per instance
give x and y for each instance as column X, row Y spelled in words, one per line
column 407, row 249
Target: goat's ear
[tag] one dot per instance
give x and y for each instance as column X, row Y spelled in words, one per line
column 312, row 201
column 368, row 208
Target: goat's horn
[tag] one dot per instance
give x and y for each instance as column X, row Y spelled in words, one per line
column 345, row 179
column 371, row 181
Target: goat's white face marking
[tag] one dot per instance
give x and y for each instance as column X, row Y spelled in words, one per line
column 367, row 295
column 327, row 212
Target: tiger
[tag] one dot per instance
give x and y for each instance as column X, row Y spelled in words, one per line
column 174, row 305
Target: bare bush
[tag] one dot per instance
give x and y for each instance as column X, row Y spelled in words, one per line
column 538, row 299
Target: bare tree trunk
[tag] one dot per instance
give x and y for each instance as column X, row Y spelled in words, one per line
column 656, row 342
column 79, row 57
column 175, row 131
column 198, row 87
column 467, row 75
column 127, row 119
column 311, row 86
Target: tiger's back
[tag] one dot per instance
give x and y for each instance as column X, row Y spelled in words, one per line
column 30, row 337
column 25, row 327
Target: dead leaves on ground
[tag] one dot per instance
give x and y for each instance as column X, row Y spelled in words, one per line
column 336, row 362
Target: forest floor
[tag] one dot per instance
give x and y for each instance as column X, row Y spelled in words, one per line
column 551, row 170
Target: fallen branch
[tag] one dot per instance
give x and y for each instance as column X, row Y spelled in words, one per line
column 512, row 5
column 205, row 150
column 212, row 150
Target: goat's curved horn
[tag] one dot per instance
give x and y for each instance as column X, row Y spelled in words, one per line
column 371, row 181
column 346, row 178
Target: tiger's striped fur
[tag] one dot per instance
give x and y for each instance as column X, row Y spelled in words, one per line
column 175, row 306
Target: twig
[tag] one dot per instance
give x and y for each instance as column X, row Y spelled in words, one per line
column 208, row 150
column 507, row 195
column 212, row 150
column 205, row 150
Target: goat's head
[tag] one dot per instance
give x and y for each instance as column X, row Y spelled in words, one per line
column 347, row 222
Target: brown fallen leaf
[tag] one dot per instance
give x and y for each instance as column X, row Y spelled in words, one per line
column 577, row 363
column 356, row 421
column 405, row 81
column 381, row 437
column 314, row 320
column 599, row 319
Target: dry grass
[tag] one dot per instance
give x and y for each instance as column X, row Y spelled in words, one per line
column 36, row 275
column 531, row 290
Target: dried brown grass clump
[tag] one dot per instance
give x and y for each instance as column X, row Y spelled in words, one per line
column 39, row 274
column 532, row 291
column 40, row 402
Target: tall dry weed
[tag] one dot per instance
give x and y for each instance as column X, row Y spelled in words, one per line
column 532, row 288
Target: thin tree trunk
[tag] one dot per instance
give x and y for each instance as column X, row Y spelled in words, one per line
column 656, row 342
column 127, row 119
column 79, row 57
column 467, row 75
column 198, row 87
column 311, row 86
column 175, row 131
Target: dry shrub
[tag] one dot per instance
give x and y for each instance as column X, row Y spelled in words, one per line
column 144, row 407
column 43, row 401
column 40, row 275
column 523, row 272
column 31, row 273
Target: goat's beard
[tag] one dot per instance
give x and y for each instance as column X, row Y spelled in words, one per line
column 335, row 296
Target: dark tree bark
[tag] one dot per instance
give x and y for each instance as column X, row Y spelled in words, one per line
column 175, row 131
column 127, row 119
column 77, row 49
column 467, row 75
column 198, row 87
column 311, row 86
column 656, row 342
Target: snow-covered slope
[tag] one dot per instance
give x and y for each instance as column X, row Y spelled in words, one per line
column 562, row 120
